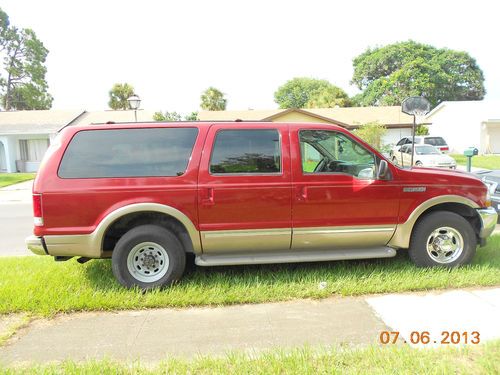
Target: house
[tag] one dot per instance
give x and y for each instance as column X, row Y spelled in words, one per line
column 26, row 135
column 398, row 123
column 466, row 124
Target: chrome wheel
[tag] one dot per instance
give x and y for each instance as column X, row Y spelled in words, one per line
column 148, row 262
column 445, row 245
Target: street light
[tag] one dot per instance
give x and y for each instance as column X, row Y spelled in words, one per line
column 134, row 102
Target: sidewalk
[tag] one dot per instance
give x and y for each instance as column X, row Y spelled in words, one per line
column 152, row 335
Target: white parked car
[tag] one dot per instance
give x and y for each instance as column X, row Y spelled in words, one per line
column 425, row 156
column 437, row 142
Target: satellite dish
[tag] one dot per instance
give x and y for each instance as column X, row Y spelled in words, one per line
column 416, row 106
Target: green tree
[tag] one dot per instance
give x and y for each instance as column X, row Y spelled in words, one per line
column 174, row 116
column 193, row 116
column 119, row 94
column 372, row 134
column 422, row 130
column 304, row 92
column 387, row 75
column 167, row 116
column 213, row 99
column 22, row 83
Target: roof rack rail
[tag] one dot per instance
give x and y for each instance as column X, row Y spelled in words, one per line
column 172, row 122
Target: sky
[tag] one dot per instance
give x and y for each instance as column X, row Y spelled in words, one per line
column 171, row 51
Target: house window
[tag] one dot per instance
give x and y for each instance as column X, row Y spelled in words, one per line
column 33, row 149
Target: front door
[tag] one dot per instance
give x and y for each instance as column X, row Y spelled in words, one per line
column 244, row 196
column 338, row 202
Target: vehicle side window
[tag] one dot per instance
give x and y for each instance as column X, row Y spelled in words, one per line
column 401, row 142
column 246, row 151
column 325, row 151
column 408, row 141
column 128, row 153
column 404, row 149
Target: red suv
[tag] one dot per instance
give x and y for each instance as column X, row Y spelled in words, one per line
column 244, row 193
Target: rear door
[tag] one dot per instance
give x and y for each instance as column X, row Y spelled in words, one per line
column 244, row 193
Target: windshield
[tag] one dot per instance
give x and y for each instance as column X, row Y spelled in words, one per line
column 426, row 150
column 435, row 141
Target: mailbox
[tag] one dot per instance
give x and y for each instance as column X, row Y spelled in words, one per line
column 471, row 151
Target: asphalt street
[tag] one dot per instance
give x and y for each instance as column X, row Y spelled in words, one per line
column 16, row 219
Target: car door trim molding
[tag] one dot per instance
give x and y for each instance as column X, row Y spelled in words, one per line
column 327, row 238
column 246, row 240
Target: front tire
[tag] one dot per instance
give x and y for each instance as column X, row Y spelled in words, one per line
column 148, row 256
column 442, row 238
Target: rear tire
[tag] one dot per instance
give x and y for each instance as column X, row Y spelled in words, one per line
column 148, row 256
column 442, row 238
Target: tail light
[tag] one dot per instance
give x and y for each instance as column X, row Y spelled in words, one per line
column 445, row 148
column 37, row 210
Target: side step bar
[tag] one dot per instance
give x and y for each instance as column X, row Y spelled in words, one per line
column 293, row 256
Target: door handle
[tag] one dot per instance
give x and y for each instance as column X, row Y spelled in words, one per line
column 208, row 197
column 303, row 193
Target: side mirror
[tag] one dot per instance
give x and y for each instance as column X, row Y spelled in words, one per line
column 383, row 171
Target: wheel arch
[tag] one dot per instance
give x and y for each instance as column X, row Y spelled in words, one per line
column 454, row 203
column 145, row 213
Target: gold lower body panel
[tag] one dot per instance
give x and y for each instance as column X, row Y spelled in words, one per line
column 318, row 238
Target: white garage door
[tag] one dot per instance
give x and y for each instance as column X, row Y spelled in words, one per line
column 494, row 135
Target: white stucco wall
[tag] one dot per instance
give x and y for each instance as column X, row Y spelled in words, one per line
column 462, row 124
column 13, row 153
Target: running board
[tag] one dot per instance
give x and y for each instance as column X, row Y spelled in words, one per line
column 293, row 256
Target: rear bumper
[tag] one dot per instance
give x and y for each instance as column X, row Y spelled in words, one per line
column 489, row 217
column 36, row 245
column 70, row 245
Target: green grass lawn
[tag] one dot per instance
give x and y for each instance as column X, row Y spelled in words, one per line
column 483, row 161
column 7, row 179
column 481, row 359
column 41, row 286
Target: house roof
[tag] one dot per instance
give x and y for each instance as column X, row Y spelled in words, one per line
column 349, row 117
column 51, row 121
column 36, row 122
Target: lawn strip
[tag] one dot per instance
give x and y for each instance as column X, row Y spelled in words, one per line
column 394, row 359
column 43, row 287
column 7, row 179
column 482, row 161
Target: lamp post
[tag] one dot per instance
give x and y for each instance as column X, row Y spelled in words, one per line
column 134, row 102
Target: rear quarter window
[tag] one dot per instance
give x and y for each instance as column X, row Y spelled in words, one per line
column 147, row 152
column 435, row 141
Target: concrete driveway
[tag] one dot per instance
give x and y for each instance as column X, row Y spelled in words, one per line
column 16, row 218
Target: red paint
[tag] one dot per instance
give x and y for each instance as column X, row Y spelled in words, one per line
column 282, row 200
